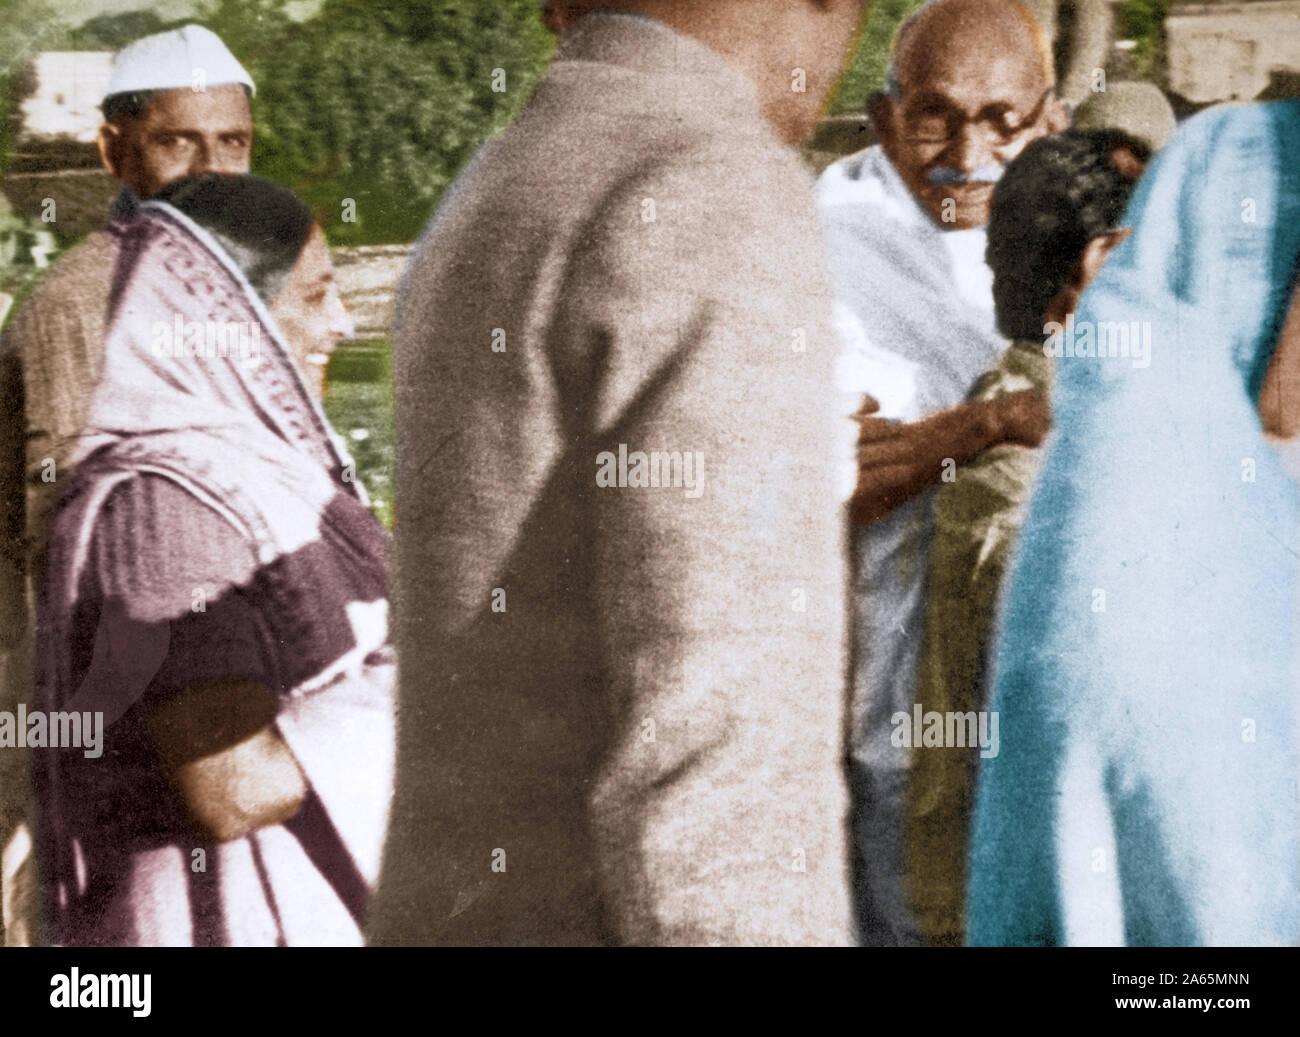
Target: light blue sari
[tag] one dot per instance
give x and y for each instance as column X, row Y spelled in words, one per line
column 1146, row 679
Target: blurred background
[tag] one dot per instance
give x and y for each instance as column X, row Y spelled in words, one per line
column 369, row 108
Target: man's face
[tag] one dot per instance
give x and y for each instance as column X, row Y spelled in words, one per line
column 963, row 114
column 180, row 133
column 1095, row 253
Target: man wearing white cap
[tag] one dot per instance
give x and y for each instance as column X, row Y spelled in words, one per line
column 176, row 105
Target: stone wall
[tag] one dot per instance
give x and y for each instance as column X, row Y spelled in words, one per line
column 1231, row 50
column 368, row 277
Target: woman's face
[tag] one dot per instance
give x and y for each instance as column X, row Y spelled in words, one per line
column 310, row 313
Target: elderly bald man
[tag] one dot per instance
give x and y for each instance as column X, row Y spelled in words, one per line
column 177, row 105
column 970, row 85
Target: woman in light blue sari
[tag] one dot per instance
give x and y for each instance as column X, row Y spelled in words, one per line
column 1146, row 678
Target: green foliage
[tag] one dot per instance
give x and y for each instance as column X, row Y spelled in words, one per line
column 27, row 248
column 254, row 30
column 115, row 31
column 25, row 242
column 27, row 27
column 866, row 69
column 380, row 103
column 1143, row 22
column 359, row 404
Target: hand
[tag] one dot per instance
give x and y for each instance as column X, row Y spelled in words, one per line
column 1022, row 417
column 870, row 429
column 869, row 406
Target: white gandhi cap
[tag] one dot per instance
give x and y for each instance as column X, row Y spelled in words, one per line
column 170, row 60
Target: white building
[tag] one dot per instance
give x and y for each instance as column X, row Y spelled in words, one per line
column 65, row 104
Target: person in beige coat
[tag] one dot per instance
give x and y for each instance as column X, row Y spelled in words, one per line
column 619, row 572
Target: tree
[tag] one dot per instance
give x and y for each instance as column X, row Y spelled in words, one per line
column 254, row 30
column 865, row 73
column 1143, row 22
column 27, row 27
column 381, row 104
column 115, row 31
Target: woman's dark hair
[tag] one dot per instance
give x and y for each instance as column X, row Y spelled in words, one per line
column 1056, row 196
column 261, row 225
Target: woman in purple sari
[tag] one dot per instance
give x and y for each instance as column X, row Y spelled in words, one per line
column 214, row 587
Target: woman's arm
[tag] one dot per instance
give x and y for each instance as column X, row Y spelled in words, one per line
column 1279, row 396
column 225, row 760
column 207, row 670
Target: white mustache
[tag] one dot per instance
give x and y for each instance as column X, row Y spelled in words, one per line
column 990, row 174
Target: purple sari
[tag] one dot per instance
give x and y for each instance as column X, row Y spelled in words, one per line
column 212, row 529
